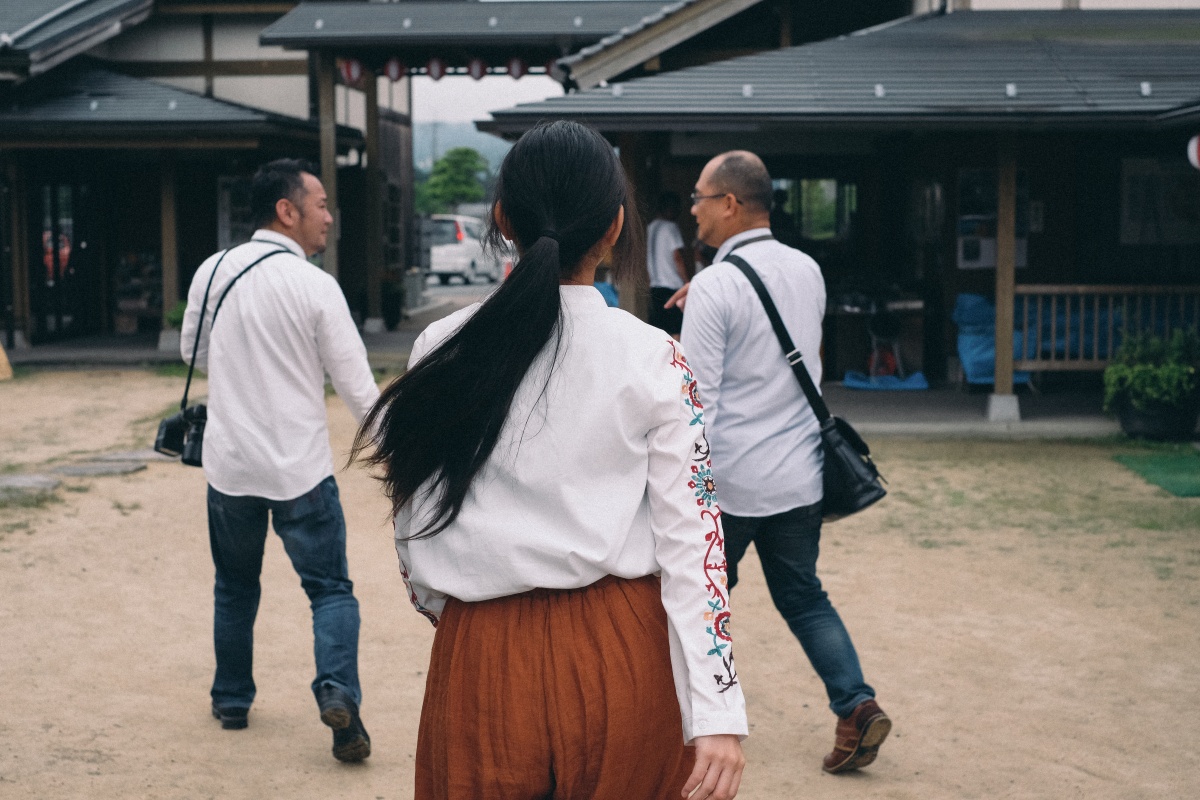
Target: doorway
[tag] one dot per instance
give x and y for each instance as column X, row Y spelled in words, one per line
column 62, row 276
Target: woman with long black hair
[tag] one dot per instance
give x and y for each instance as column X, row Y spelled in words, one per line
column 556, row 517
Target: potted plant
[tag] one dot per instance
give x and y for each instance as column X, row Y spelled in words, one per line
column 1152, row 385
column 168, row 338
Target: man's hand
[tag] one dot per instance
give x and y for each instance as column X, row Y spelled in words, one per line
column 679, row 298
column 719, row 763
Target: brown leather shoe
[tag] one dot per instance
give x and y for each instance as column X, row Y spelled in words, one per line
column 857, row 738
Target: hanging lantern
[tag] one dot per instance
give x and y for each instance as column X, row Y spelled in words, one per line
column 351, row 70
column 395, row 69
column 436, row 68
column 1194, row 151
column 517, row 68
column 476, row 68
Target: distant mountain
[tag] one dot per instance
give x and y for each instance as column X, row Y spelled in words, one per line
column 431, row 140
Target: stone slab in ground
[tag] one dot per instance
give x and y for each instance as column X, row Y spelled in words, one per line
column 148, row 454
column 27, row 484
column 94, row 469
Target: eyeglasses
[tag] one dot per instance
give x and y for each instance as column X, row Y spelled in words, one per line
column 696, row 198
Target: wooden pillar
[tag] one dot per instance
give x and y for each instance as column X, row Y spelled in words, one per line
column 374, row 210
column 170, row 239
column 1003, row 405
column 327, row 123
column 168, row 338
column 637, row 159
column 19, row 239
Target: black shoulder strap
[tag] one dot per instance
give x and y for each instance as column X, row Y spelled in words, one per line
column 204, row 307
column 794, row 357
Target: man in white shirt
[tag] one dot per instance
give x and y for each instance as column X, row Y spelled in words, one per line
column 284, row 325
column 666, row 263
column 766, row 444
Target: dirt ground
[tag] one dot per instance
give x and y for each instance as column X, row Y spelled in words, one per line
column 1028, row 613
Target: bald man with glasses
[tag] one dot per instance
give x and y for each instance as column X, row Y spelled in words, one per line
column 764, row 437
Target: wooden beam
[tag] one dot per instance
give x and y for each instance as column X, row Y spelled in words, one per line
column 327, row 124
column 232, row 68
column 374, row 320
column 1006, row 261
column 129, row 144
column 191, row 9
column 170, row 238
column 206, row 33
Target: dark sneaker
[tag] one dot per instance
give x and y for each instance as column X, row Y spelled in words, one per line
column 337, row 707
column 858, row 738
column 340, row 712
column 352, row 742
column 233, row 718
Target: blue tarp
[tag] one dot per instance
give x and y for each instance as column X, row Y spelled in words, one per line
column 975, row 317
column 884, row 383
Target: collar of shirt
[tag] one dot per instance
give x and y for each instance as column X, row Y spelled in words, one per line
column 265, row 235
column 736, row 239
column 581, row 297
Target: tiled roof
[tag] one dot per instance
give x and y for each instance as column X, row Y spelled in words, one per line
column 983, row 69
column 35, row 35
column 82, row 98
column 375, row 24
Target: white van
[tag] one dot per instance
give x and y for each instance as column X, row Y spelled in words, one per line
column 456, row 249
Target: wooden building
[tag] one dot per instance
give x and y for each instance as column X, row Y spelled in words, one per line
column 1036, row 158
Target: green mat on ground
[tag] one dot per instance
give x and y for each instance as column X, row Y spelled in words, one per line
column 1177, row 472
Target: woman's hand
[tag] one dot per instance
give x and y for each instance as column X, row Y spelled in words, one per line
column 718, row 772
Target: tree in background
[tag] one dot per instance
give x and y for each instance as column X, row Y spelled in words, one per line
column 459, row 176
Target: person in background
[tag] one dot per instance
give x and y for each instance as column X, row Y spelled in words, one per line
column 266, row 446
column 666, row 262
column 556, row 518
column 766, row 443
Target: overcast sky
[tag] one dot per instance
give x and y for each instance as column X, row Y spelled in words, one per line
column 458, row 98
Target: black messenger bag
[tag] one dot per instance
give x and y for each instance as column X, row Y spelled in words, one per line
column 182, row 434
column 851, row 479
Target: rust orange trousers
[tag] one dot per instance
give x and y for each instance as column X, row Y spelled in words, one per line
column 563, row 694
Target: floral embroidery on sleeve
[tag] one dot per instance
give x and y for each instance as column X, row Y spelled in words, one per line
column 691, row 394
column 412, row 595
column 705, row 490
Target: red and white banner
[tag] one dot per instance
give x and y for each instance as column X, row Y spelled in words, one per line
column 351, row 71
column 517, row 68
column 476, row 68
column 395, row 69
column 1194, row 151
column 436, row 68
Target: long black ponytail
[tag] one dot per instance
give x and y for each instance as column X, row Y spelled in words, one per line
column 560, row 188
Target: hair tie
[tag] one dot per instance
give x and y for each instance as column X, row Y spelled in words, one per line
column 549, row 233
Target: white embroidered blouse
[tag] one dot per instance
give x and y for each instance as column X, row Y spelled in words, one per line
column 603, row 470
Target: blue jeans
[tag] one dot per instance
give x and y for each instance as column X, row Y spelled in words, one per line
column 314, row 535
column 787, row 545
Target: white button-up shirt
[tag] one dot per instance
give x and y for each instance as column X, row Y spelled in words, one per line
column 766, row 443
column 283, row 326
column 606, row 472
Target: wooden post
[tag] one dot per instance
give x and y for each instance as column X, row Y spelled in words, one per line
column 374, row 209
column 1003, row 405
column 327, row 123
column 19, row 241
column 170, row 240
column 634, row 292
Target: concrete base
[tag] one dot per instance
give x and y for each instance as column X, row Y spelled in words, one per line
column 168, row 341
column 374, row 325
column 1003, row 408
